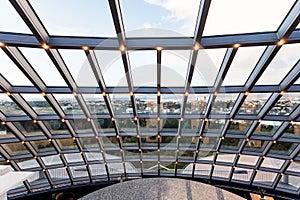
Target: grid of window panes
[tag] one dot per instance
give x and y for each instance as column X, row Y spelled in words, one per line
column 133, row 100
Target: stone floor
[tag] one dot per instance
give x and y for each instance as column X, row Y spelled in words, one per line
column 161, row 189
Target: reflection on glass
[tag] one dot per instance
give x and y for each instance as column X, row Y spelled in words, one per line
column 169, row 167
column 150, row 154
column 92, row 156
column 5, row 132
column 121, row 103
column 110, row 142
column 42, row 64
column 132, row 155
column 247, row 160
column 26, row 163
column 293, row 131
column 68, row 103
column 66, row 144
column 231, row 144
column 9, row 107
column 39, row 104
column 256, row 145
column 243, row 63
column 223, row 103
column 206, row 155
column 28, row 128
column 174, row 67
column 289, row 183
column 129, row 141
column 42, row 146
column 51, row 160
column 148, row 126
column 81, row 126
column 242, row 174
column 59, row 174
column 79, row 171
column 272, row 163
column 16, row 148
column 239, row 126
column 171, row 103
column 221, row 171
column 253, row 103
column 263, row 177
column 191, row 126
column 284, row 60
column 146, row 103
column 214, row 126
column 167, row 154
column 115, row 168
column 226, row 157
column 167, row 141
column 286, row 104
column 89, row 142
column 143, row 68
column 98, row 169
column 113, row 155
column 209, row 142
column 207, row 66
column 151, row 141
column 196, row 103
column 187, row 142
column 56, row 126
column 185, row 155
column 283, row 148
column 104, row 125
column 201, row 169
column 169, row 125
column 95, row 103
column 267, row 128
column 126, row 126
column 73, row 157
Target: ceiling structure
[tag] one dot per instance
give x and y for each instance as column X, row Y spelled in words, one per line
column 89, row 107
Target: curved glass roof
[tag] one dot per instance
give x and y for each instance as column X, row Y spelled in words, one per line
column 198, row 89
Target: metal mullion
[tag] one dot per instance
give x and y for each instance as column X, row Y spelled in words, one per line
column 291, row 77
column 295, row 114
column 201, row 19
column 24, row 105
column 239, row 102
column 158, row 77
column 268, row 105
column 289, row 24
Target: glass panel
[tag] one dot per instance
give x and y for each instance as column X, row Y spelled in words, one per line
column 10, row 20
column 121, row 103
column 57, row 127
column 146, row 103
column 39, row 104
column 293, row 131
column 169, row 126
column 239, row 127
column 72, row 20
column 51, row 160
column 196, row 103
column 27, row 163
column 98, row 169
column 42, row 64
column 283, row 148
column 143, row 68
column 207, row 66
column 286, row 104
column 42, row 146
column 126, row 126
column 253, row 103
column 263, row 20
column 9, row 107
column 79, row 67
column 185, row 155
column 206, row 155
column 242, row 174
column 150, row 155
column 214, row 126
column 95, row 103
column 58, row 174
column 167, row 154
column 294, row 167
column 191, row 126
column 272, row 163
column 10, row 71
column 221, row 171
column 129, row 141
column 110, row 142
column 284, row 60
column 28, row 128
column 113, row 155
column 91, row 156
column 267, row 128
column 66, row 144
column 201, row 169
column 81, row 126
column 89, row 142
column 187, row 142
column 115, row 168
column 68, row 103
column 112, row 68
column 228, row 158
column 148, row 126
column 73, row 157
column 171, row 103
column 167, row 167
column 247, row 160
column 223, row 103
column 289, row 183
column 168, row 141
column 174, row 67
column 132, row 155
column 104, row 125
column 266, row 178
column 256, row 146
column 209, row 142
column 243, row 63
column 231, row 144
column 79, row 171
column 16, row 148
column 5, row 132
column 159, row 19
